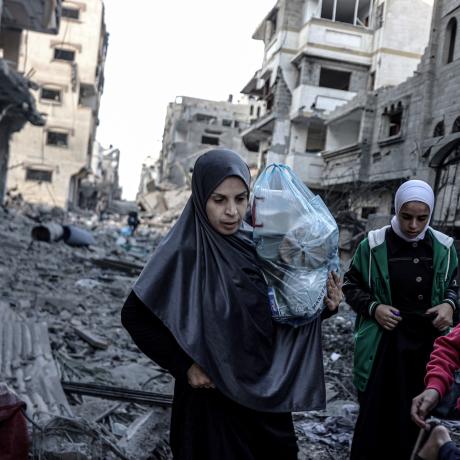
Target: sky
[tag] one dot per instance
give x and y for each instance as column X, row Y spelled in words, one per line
column 162, row 49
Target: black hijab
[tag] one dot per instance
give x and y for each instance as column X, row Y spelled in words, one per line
column 207, row 288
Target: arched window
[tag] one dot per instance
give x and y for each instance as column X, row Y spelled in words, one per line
column 456, row 125
column 439, row 129
column 451, row 35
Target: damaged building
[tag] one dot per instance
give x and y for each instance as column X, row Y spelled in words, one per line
column 17, row 104
column 101, row 186
column 320, row 54
column 48, row 163
column 411, row 130
column 194, row 125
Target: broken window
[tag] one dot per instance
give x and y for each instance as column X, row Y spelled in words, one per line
column 71, row 13
column 57, row 138
column 50, row 94
column 87, row 96
column 337, row 79
column 456, row 125
column 352, row 12
column 451, row 35
column 226, row 122
column 316, row 138
column 439, row 129
column 210, row 140
column 38, row 175
column 209, row 119
column 392, row 118
column 64, row 55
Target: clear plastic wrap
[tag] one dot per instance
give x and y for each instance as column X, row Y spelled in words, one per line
column 297, row 240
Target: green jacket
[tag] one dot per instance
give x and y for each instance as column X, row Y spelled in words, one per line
column 371, row 261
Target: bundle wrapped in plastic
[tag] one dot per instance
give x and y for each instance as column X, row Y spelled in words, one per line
column 297, row 239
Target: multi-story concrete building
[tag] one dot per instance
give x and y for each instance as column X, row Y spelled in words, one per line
column 194, row 125
column 411, row 130
column 17, row 104
column 47, row 164
column 319, row 54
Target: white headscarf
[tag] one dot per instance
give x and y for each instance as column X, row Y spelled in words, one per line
column 412, row 190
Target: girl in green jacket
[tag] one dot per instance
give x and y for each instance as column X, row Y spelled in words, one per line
column 402, row 285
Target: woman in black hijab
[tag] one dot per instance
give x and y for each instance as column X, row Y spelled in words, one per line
column 200, row 310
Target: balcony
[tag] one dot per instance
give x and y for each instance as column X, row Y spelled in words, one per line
column 308, row 101
column 336, row 40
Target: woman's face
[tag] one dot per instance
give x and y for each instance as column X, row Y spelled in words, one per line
column 412, row 217
column 227, row 205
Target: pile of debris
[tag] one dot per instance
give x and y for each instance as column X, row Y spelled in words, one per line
column 89, row 392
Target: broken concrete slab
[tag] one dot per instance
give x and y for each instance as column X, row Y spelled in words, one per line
column 92, row 338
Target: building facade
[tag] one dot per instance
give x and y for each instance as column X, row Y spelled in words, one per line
column 411, row 130
column 17, row 103
column 319, row 55
column 48, row 164
column 194, row 125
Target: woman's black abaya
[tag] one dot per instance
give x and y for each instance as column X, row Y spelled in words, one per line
column 208, row 304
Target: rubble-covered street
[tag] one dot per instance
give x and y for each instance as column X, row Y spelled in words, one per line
column 90, row 392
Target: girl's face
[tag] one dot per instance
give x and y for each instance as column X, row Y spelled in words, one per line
column 227, row 205
column 412, row 217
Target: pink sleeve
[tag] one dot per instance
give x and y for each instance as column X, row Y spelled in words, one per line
column 444, row 360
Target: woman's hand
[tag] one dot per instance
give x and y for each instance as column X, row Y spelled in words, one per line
column 422, row 405
column 443, row 318
column 387, row 316
column 334, row 291
column 197, row 378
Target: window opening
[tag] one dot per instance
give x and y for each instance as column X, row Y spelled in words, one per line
column 251, row 110
column 451, row 35
column 64, row 55
column 209, row 119
column 210, row 140
column 72, row 13
column 50, row 94
column 226, row 122
column 439, row 129
column 38, row 175
column 337, row 79
column 316, row 138
column 57, row 138
column 237, row 124
column 393, row 120
column 351, row 12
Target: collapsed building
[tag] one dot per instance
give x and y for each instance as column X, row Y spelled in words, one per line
column 319, row 54
column 194, row 125
column 411, row 130
column 17, row 104
column 101, row 186
column 48, row 163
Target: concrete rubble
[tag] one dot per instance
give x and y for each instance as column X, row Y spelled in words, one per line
column 90, row 392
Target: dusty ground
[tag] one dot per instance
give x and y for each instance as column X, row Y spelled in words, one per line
column 64, row 287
